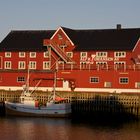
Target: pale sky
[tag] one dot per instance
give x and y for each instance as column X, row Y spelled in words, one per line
column 75, row 14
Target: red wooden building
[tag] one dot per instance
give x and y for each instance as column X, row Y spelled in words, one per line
column 101, row 60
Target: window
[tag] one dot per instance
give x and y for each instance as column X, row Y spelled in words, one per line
column 69, row 54
column 123, row 80
column 60, row 36
column 46, row 54
column 101, row 54
column 119, row 54
column 20, row 79
column 7, row 64
column 21, row 54
column 94, row 79
column 46, row 65
column 8, row 54
column 33, row 54
column 32, row 65
column 137, row 84
column 101, row 63
column 21, row 65
column 83, row 55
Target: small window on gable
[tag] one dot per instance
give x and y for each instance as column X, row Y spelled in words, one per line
column 60, row 36
column 8, row 54
column 21, row 54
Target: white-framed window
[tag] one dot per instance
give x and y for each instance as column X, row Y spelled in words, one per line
column 94, row 79
column 32, row 65
column 120, row 54
column 123, row 80
column 83, row 55
column 8, row 54
column 101, row 63
column 21, row 65
column 46, row 65
column 119, row 63
column 7, row 65
column 101, row 54
column 22, row 54
column 21, row 79
column 46, row 54
column 69, row 54
column 32, row 54
column 137, row 84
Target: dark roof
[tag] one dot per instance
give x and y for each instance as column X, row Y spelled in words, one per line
column 85, row 40
column 25, row 40
column 106, row 39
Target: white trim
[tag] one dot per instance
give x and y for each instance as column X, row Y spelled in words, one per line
column 46, row 68
column 136, row 45
column 121, row 53
column 1, row 62
column 30, row 62
column 60, row 28
column 93, row 90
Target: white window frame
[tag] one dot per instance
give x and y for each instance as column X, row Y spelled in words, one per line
column 45, row 63
column 96, row 80
column 101, row 54
column 7, row 64
column 22, row 54
column 32, row 54
column 21, row 65
column 8, row 54
column 21, row 79
column 119, row 63
column 120, row 54
column 101, row 63
column 32, row 65
column 83, row 56
column 69, row 54
column 123, row 81
column 46, row 54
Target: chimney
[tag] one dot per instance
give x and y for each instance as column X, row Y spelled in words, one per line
column 118, row 26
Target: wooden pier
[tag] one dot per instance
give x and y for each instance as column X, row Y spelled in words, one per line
column 88, row 103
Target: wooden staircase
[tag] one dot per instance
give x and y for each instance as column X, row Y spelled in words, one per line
column 57, row 49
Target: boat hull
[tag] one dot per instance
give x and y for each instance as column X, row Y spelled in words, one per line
column 16, row 110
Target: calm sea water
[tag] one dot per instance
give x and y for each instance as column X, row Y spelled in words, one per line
column 17, row 128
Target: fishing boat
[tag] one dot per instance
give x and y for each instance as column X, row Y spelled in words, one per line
column 28, row 105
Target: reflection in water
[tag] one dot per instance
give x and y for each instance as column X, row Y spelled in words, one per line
column 18, row 128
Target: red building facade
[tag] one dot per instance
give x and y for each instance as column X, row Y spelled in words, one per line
column 105, row 60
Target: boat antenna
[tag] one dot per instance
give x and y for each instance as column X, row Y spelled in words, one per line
column 28, row 84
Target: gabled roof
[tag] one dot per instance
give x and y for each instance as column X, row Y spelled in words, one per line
column 84, row 40
column 106, row 39
column 25, row 40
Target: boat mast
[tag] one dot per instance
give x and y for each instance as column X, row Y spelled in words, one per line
column 54, row 92
column 28, row 80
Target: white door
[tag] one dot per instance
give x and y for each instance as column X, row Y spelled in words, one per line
column 65, row 84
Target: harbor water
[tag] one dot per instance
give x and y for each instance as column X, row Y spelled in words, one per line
column 25, row 128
